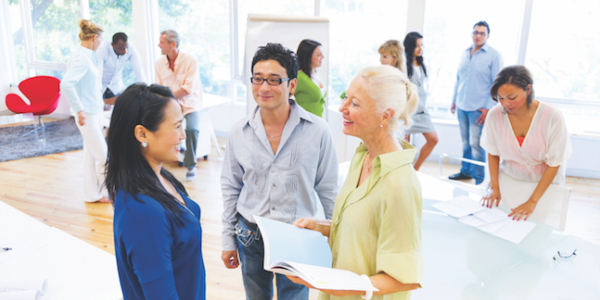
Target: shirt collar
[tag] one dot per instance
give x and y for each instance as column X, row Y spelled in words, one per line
column 91, row 54
column 388, row 162
column 176, row 59
column 484, row 47
column 296, row 114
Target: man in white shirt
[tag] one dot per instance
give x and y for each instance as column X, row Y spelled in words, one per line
column 112, row 58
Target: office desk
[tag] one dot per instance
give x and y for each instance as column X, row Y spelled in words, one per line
column 462, row 262
column 75, row 269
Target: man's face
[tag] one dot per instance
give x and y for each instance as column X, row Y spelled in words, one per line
column 120, row 48
column 164, row 45
column 271, row 96
column 480, row 35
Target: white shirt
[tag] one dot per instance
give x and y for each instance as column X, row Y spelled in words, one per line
column 547, row 143
column 111, row 65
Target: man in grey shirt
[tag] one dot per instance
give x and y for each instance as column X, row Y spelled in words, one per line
column 275, row 161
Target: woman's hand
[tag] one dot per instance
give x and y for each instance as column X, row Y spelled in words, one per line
column 322, row 226
column 307, row 223
column 339, row 293
column 523, row 211
column 81, row 117
column 492, row 198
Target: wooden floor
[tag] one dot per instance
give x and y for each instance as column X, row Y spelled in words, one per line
column 49, row 189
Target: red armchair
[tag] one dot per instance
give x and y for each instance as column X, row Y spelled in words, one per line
column 43, row 93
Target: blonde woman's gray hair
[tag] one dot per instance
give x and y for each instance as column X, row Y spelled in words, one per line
column 89, row 29
column 390, row 88
column 171, row 36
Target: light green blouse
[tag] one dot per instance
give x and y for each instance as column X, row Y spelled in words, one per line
column 308, row 95
column 376, row 227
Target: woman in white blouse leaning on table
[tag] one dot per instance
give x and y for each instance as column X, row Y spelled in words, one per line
column 82, row 88
column 529, row 135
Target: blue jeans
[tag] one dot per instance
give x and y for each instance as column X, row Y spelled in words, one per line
column 258, row 282
column 470, row 133
column 192, row 131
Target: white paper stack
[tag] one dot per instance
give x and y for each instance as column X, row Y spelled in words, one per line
column 490, row 220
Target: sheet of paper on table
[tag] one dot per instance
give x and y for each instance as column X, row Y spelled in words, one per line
column 492, row 221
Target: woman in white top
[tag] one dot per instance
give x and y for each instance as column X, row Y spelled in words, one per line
column 82, row 87
column 529, row 136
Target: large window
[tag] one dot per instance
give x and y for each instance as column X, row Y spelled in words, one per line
column 447, row 34
column 203, row 27
column 357, row 29
column 563, row 52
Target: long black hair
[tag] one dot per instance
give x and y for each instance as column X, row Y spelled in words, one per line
column 126, row 168
column 410, row 43
column 305, row 52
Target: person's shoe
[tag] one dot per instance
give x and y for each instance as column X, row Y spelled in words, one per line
column 190, row 174
column 459, row 176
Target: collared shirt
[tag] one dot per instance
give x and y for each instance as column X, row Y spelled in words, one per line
column 184, row 76
column 475, row 77
column 81, row 83
column 280, row 186
column 376, row 227
column 112, row 64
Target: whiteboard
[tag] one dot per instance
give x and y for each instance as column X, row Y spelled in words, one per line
column 288, row 31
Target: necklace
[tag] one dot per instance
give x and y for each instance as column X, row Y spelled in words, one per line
column 274, row 136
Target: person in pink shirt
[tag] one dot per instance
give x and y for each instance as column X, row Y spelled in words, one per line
column 179, row 72
column 525, row 138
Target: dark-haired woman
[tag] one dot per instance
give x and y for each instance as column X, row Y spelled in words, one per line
column 529, row 135
column 416, row 71
column 310, row 91
column 157, row 232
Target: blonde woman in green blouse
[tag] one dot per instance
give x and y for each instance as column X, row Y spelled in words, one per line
column 376, row 225
column 310, row 91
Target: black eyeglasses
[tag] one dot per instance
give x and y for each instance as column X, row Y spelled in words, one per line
column 560, row 255
column 270, row 81
column 480, row 33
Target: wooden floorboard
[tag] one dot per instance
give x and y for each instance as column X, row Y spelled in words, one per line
column 49, row 189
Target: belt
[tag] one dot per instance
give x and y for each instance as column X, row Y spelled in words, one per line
column 252, row 226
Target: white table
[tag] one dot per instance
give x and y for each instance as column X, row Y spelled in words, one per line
column 75, row 269
column 462, row 262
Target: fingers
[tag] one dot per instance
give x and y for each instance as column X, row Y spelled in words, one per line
column 300, row 222
column 230, row 259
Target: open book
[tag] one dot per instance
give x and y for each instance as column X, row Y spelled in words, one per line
column 294, row 251
column 492, row 221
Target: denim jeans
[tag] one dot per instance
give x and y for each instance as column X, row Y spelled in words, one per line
column 470, row 133
column 258, row 282
column 192, row 131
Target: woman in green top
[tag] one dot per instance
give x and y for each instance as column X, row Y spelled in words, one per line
column 376, row 226
column 310, row 91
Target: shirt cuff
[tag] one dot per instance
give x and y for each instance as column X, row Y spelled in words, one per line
column 228, row 243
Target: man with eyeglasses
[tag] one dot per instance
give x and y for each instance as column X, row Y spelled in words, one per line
column 478, row 68
column 179, row 71
column 277, row 161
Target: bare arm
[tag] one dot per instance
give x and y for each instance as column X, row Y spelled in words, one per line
column 494, row 196
column 180, row 93
column 385, row 283
column 322, row 226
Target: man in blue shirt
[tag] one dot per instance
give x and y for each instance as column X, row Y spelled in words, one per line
column 478, row 68
column 277, row 161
